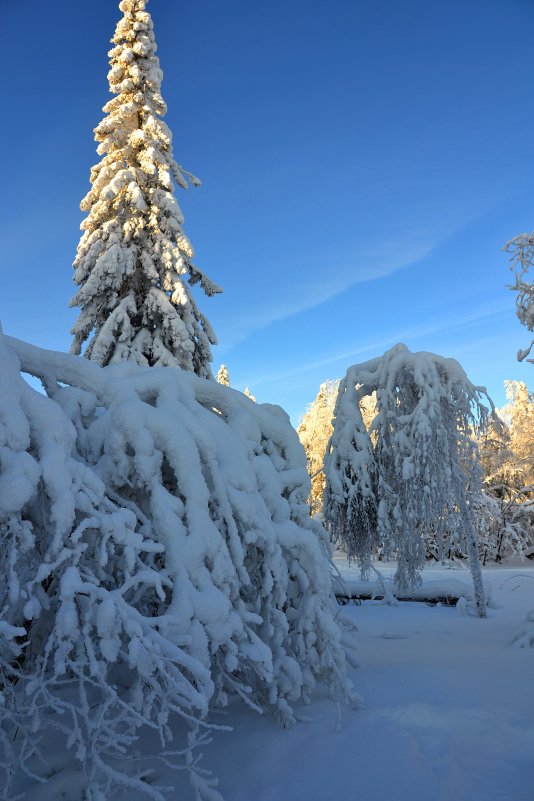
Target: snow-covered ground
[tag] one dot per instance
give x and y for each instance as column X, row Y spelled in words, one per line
column 449, row 711
column 448, row 715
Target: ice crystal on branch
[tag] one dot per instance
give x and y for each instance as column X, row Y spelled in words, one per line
column 134, row 261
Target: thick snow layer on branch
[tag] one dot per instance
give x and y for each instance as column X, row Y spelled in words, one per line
column 158, row 555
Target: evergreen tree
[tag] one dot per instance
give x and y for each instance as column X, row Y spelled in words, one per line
column 315, row 429
column 222, row 376
column 249, row 394
column 133, row 259
column 520, row 409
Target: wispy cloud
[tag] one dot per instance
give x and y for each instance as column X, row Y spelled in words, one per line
column 375, row 347
column 335, row 274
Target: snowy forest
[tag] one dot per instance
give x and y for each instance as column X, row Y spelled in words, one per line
column 202, row 601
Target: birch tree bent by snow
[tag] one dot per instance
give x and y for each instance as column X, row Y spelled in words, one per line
column 415, row 471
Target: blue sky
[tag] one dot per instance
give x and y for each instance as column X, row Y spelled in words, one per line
column 363, row 162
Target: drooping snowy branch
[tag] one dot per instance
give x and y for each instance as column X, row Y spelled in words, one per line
column 521, row 249
column 159, row 554
column 134, row 259
column 350, row 496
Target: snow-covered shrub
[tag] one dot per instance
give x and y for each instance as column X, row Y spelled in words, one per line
column 158, row 555
column 505, row 527
column 413, row 472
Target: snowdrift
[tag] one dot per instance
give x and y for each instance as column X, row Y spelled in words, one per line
column 159, row 555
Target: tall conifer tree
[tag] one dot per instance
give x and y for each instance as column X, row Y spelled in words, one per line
column 134, row 259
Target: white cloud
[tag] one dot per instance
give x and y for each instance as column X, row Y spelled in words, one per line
column 333, row 273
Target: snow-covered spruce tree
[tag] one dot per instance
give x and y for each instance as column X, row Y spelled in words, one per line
column 521, row 249
column 520, row 413
column 314, row 430
column 159, row 556
column 134, row 260
column 222, row 376
column 413, row 473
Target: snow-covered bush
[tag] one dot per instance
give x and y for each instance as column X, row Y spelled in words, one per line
column 157, row 555
column 504, row 527
column 413, row 472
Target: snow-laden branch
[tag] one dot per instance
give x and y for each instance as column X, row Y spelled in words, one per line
column 521, row 249
column 158, row 554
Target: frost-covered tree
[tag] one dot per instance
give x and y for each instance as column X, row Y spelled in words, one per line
column 249, row 394
column 315, row 430
column 521, row 249
column 505, row 514
column 222, row 376
column 497, row 459
column 134, row 261
column 522, row 257
column 505, row 527
column 350, row 497
column 412, row 474
column 520, row 413
column 157, row 556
